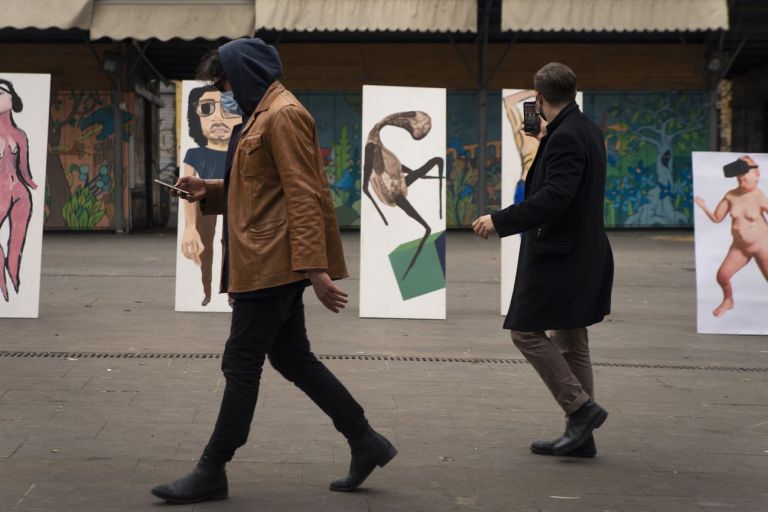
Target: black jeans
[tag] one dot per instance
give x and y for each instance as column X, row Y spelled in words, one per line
column 273, row 326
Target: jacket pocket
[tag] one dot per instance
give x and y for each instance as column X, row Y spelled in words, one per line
column 265, row 230
column 251, row 143
column 249, row 146
column 551, row 247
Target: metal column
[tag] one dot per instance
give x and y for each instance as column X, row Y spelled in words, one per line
column 482, row 108
column 117, row 99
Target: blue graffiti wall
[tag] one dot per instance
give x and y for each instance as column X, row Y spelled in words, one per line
column 649, row 140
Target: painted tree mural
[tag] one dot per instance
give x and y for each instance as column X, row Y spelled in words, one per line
column 649, row 140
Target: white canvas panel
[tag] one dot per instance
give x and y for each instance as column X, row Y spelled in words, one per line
column 199, row 158
column 740, row 240
column 517, row 154
column 410, row 143
column 22, row 199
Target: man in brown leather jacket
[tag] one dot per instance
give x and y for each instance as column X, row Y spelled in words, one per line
column 280, row 236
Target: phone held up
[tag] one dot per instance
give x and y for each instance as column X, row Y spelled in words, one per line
column 169, row 186
column 531, row 122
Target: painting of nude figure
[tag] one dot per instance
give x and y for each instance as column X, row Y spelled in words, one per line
column 731, row 226
column 24, row 101
column 403, row 192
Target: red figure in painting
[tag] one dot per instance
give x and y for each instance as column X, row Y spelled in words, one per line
column 15, row 182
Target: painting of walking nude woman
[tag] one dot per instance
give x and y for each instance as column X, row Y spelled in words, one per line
column 23, row 140
column 742, row 273
column 204, row 149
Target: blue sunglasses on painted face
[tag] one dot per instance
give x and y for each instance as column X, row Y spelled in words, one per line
column 206, row 108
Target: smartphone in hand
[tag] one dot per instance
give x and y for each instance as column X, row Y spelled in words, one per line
column 181, row 191
column 531, row 121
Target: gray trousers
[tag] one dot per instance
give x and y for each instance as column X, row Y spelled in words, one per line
column 562, row 361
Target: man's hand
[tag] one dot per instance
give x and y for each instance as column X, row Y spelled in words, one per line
column 700, row 203
column 332, row 297
column 194, row 186
column 192, row 245
column 542, row 130
column 483, row 226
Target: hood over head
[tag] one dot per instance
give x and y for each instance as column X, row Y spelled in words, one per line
column 250, row 65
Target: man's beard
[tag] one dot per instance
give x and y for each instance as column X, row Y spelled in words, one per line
column 220, row 136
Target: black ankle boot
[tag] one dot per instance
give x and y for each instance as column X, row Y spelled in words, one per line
column 208, row 481
column 579, row 427
column 588, row 449
column 369, row 451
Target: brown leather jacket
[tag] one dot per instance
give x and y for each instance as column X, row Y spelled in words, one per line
column 281, row 219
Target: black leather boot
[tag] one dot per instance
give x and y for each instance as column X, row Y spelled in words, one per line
column 208, row 481
column 579, row 427
column 588, row 449
column 369, row 451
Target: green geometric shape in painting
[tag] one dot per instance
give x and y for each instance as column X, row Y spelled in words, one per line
column 428, row 272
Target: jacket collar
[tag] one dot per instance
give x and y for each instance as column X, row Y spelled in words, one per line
column 273, row 92
column 558, row 120
column 269, row 97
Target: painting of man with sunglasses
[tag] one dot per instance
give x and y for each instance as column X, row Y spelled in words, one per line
column 210, row 127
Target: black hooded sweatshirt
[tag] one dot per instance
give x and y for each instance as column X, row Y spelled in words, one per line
column 250, row 66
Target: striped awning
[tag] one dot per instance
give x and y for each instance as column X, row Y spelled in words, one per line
column 614, row 15
column 63, row 14
column 212, row 19
column 368, row 15
column 168, row 19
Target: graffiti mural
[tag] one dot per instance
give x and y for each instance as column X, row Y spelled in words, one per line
column 461, row 161
column 649, row 140
column 80, row 169
column 338, row 117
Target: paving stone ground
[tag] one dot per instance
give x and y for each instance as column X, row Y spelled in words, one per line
column 687, row 431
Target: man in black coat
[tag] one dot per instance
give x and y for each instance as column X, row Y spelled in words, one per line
column 565, row 268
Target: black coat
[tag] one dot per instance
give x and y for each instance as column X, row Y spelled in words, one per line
column 565, row 268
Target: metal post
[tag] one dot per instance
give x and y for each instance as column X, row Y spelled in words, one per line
column 117, row 99
column 482, row 136
column 714, row 96
column 714, row 125
column 482, row 109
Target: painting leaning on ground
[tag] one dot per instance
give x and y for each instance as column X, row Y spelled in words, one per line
column 15, row 185
column 23, row 140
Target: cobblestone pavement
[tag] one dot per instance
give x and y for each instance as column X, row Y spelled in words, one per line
column 111, row 392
